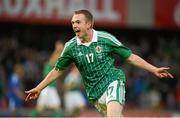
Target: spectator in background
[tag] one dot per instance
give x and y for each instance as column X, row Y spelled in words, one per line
column 49, row 98
column 16, row 90
column 177, row 96
column 74, row 101
column 154, row 97
column 3, row 89
column 31, row 67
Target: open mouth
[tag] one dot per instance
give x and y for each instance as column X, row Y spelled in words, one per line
column 76, row 30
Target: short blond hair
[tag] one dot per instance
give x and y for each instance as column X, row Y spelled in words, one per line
column 87, row 14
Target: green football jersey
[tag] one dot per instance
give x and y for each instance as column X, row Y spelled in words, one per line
column 94, row 61
column 47, row 68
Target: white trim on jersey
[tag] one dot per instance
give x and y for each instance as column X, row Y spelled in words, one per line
column 94, row 39
column 110, row 37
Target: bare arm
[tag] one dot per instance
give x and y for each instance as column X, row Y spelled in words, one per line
column 34, row 93
column 141, row 63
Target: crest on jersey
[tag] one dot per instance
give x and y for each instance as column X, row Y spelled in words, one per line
column 98, row 49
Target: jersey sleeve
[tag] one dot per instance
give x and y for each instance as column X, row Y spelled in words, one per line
column 118, row 48
column 65, row 58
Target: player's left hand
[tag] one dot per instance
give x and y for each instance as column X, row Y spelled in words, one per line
column 162, row 72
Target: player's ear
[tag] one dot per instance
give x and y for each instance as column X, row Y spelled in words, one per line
column 89, row 25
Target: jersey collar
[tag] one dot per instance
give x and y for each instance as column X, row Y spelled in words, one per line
column 94, row 39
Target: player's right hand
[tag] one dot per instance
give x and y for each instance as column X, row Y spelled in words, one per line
column 32, row 94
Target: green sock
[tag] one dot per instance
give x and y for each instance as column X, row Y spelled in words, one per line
column 57, row 113
column 34, row 113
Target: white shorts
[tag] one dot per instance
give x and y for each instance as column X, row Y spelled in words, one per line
column 114, row 92
column 49, row 98
column 73, row 100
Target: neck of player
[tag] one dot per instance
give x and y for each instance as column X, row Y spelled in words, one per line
column 88, row 37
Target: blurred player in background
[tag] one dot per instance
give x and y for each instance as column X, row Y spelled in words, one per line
column 49, row 97
column 91, row 51
column 74, row 100
column 15, row 90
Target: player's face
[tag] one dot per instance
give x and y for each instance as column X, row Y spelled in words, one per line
column 80, row 25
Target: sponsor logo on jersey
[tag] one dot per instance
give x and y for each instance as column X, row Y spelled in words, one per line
column 80, row 54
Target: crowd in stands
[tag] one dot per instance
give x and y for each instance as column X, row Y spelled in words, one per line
column 23, row 54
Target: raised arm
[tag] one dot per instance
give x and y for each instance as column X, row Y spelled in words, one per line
column 34, row 93
column 161, row 72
